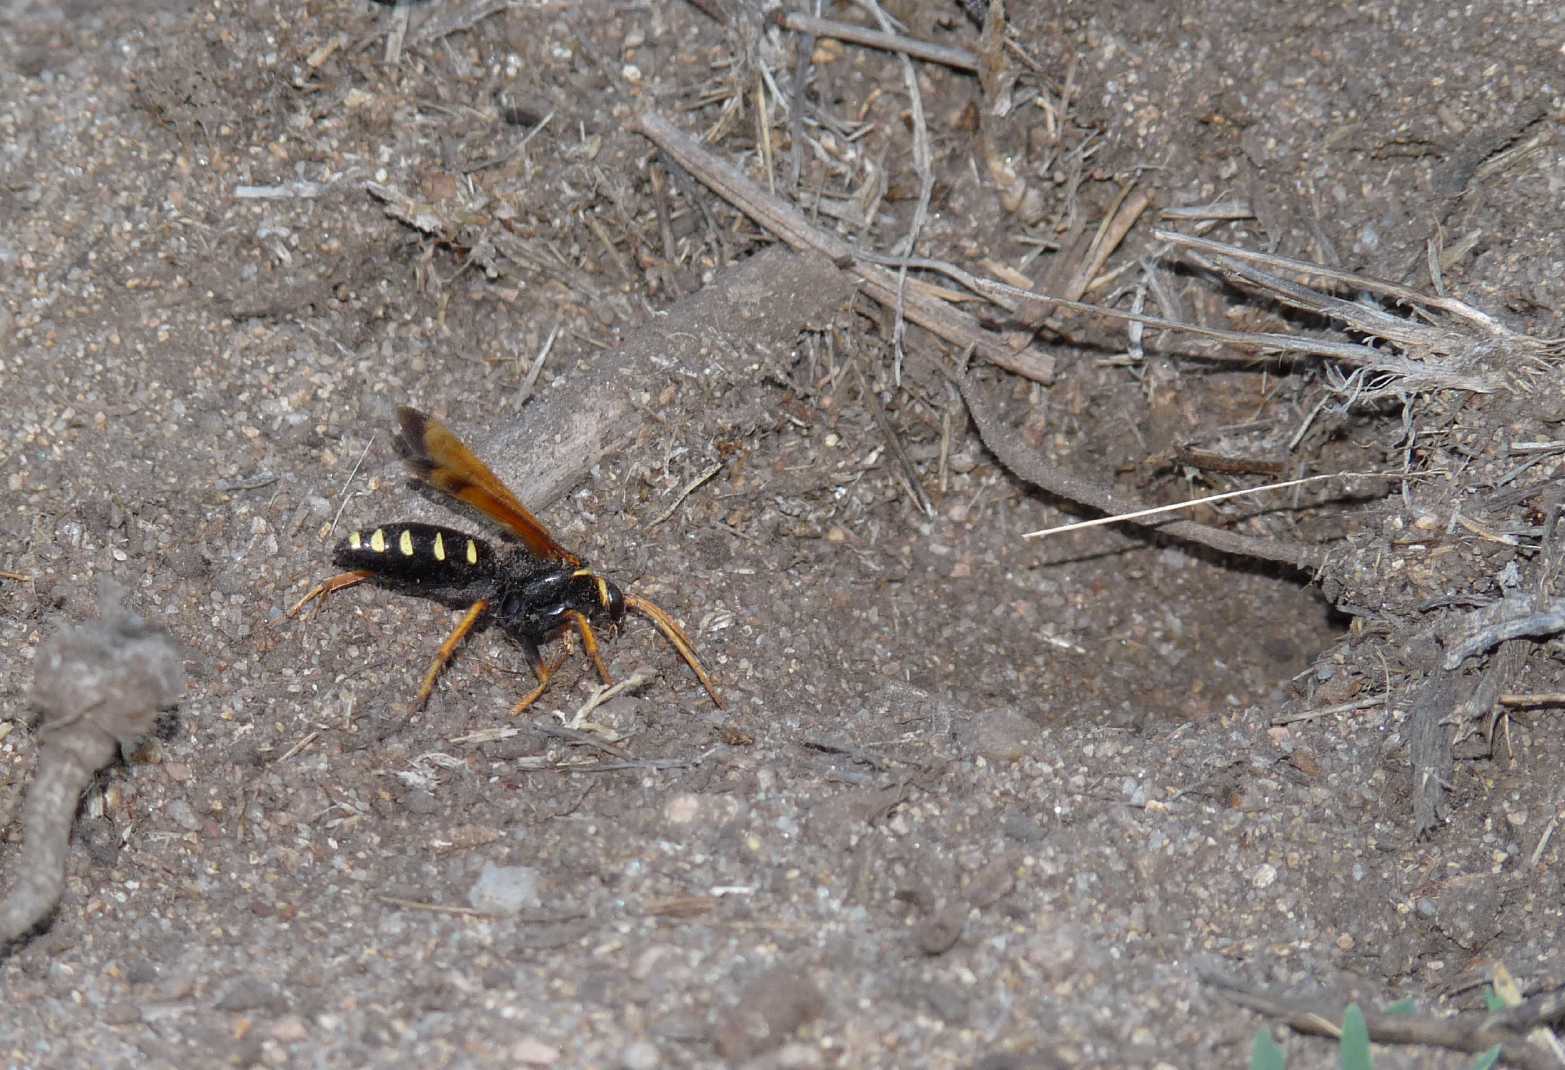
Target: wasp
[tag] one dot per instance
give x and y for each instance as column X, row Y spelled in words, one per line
column 533, row 587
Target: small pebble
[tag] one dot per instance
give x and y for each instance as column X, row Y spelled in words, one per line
column 640, row 1055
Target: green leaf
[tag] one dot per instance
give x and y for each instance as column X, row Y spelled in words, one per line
column 1487, row 1059
column 1492, row 999
column 1353, row 1051
column 1403, row 1006
column 1265, row 1054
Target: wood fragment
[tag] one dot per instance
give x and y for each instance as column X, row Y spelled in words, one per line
column 959, row 58
column 1533, row 698
column 761, row 303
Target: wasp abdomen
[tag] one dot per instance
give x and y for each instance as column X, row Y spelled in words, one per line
column 419, row 552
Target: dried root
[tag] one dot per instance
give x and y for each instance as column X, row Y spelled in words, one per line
column 99, row 687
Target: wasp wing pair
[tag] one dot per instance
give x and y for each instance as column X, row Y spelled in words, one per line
column 534, row 590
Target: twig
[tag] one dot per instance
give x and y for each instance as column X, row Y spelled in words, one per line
column 959, row 58
column 1347, row 278
column 299, row 746
column 1330, row 711
column 658, row 179
column 789, row 224
column 801, row 78
column 16, row 577
column 763, row 123
column 1122, row 215
column 1535, row 698
column 1219, row 210
column 298, row 190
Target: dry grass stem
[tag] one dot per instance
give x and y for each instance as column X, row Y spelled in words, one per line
column 434, row 908
column 1156, row 510
column 346, row 497
column 1435, row 357
column 684, row 493
column 537, row 367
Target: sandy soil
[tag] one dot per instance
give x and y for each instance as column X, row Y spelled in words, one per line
column 973, row 800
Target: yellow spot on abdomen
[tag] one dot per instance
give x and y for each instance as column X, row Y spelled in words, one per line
column 356, row 541
column 378, row 541
column 440, row 547
column 472, row 552
column 405, row 543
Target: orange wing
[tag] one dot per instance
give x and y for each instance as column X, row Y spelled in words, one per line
column 434, row 454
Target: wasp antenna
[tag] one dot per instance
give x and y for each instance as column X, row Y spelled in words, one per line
column 671, row 631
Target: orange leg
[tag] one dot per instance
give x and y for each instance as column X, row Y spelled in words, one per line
column 448, row 648
column 589, row 643
column 543, row 671
column 671, row 631
column 326, row 587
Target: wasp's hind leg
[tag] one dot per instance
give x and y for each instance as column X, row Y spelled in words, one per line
column 327, row 586
column 448, row 649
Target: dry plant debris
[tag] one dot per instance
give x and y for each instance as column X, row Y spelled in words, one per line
column 1383, row 357
column 99, row 687
column 1471, row 1033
